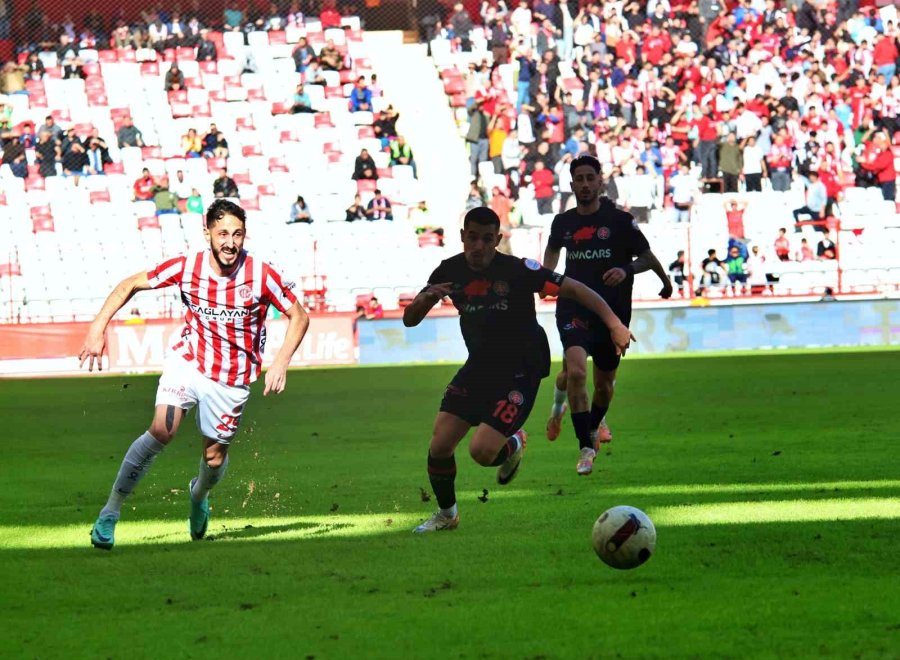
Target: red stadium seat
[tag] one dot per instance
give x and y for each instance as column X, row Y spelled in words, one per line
column 322, row 119
column 149, row 69
column 40, row 211
column 384, row 173
column 193, row 83
column 216, row 164
column 251, row 204
column 241, row 178
column 256, row 95
column 178, row 96
column 91, row 69
column 366, row 185
column 234, row 81
column 148, row 222
column 217, row 95
column 114, row 168
column 289, row 136
column 277, row 37
column 201, row 110
column 244, row 124
column 99, row 196
column 251, row 150
column 42, row 223
column 34, row 169
column 34, row 86
column 2, row 199
column 365, row 132
column 107, row 55
column 126, row 55
column 151, row 152
column 169, row 55
column 209, row 67
column 281, row 108
column 185, row 53
column 8, row 270
column 266, row 189
column 277, row 165
column 334, row 92
column 83, row 128
column 37, row 101
column 61, row 116
column 98, row 99
column 34, row 183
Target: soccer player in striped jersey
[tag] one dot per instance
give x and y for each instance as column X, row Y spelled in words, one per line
column 226, row 294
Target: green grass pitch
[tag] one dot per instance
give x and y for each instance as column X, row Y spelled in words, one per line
column 773, row 482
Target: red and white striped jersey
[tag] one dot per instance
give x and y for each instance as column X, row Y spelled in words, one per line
column 224, row 330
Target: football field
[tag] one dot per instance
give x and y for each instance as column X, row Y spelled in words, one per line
column 773, row 481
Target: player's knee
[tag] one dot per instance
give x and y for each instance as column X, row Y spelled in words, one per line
column 481, row 454
column 215, row 456
column 161, row 433
column 577, row 377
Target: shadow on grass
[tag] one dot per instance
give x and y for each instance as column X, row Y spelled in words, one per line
column 255, row 531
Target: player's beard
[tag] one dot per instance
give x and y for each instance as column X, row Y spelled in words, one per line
column 227, row 260
column 586, row 197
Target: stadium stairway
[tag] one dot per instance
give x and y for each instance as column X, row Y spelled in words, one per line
column 407, row 76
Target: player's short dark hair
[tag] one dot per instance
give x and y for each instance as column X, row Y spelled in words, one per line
column 222, row 207
column 584, row 161
column 482, row 215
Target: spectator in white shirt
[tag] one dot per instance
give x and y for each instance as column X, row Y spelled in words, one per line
column 685, row 192
column 754, row 170
column 638, row 192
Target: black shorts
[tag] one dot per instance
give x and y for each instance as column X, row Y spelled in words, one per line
column 593, row 336
column 503, row 402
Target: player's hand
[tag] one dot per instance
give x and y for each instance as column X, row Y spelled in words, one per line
column 92, row 349
column 439, row 291
column 614, row 276
column 622, row 338
column 276, row 377
column 666, row 291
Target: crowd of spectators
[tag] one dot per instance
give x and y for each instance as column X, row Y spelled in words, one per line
column 677, row 98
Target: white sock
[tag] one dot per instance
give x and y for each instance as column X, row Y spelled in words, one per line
column 207, row 478
column 449, row 513
column 559, row 399
column 135, row 465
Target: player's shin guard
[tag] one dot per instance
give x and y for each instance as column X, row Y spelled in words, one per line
column 135, row 465
column 442, row 474
column 581, row 422
column 207, row 478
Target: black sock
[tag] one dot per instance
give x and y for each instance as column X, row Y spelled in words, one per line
column 506, row 451
column 597, row 415
column 581, row 421
column 442, row 474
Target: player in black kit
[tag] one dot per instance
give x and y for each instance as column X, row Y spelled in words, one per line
column 508, row 354
column 601, row 244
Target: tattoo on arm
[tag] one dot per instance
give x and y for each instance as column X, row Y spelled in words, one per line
column 170, row 417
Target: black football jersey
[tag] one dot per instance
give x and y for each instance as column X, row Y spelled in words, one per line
column 609, row 238
column 496, row 310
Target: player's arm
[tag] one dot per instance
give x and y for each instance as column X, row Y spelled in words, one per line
column 95, row 341
column 298, row 324
column 645, row 261
column 551, row 257
column 589, row 298
column 428, row 297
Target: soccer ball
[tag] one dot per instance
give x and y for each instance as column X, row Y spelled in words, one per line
column 624, row 537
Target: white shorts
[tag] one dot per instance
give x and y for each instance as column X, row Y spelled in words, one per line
column 219, row 407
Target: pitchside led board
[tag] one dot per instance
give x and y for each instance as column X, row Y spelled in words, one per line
column 670, row 330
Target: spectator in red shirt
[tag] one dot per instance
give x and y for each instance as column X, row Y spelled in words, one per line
column 783, row 245
column 374, row 310
column 329, row 17
column 885, row 56
column 708, row 133
column 542, row 179
column 881, row 163
column 143, row 187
